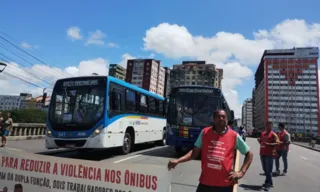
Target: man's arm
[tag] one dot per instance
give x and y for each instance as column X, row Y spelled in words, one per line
column 276, row 140
column 244, row 149
column 194, row 153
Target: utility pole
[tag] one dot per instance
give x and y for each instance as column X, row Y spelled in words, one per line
column 44, row 97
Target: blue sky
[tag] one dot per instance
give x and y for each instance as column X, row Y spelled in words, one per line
column 44, row 24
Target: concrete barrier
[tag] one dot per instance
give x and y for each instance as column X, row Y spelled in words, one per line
column 27, row 131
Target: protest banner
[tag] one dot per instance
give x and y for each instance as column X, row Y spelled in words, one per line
column 26, row 172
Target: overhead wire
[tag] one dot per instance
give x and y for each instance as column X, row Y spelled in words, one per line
column 34, row 57
column 15, row 54
column 20, row 77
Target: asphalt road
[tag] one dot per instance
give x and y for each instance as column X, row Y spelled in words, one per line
column 303, row 173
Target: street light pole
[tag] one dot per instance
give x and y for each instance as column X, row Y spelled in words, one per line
column 3, row 65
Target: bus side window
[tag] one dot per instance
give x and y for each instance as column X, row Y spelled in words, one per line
column 143, row 104
column 130, row 100
column 152, row 105
column 115, row 101
column 137, row 102
column 161, row 108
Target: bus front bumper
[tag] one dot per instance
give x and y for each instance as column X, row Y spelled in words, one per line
column 180, row 142
column 99, row 141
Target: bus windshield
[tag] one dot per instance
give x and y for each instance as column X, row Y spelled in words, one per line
column 192, row 109
column 77, row 105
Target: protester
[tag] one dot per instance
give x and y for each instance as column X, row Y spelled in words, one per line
column 7, row 126
column 230, row 125
column 1, row 121
column 217, row 166
column 268, row 143
column 242, row 133
column 18, row 188
column 282, row 150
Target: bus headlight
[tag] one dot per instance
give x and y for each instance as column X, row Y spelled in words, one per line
column 97, row 131
column 49, row 134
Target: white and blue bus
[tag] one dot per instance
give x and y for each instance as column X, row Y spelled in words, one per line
column 190, row 109
column 103, row 112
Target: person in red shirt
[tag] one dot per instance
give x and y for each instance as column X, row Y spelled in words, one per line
column 268, row 143
column 216, row 144
column 282, row 150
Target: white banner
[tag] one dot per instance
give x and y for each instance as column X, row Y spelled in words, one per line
column 26, row 172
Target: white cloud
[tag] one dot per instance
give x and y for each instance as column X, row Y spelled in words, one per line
column 74, row 33
column 26, row 45
column 98, row 65
column 96, row 38
column 124, row 59
column 231, row 51
column 111, row 44
column 13, row 86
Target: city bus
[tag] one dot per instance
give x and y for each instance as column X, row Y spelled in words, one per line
column 103, row 112
column 190, row 109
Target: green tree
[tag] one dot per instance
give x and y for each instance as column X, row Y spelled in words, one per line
column 27, row 115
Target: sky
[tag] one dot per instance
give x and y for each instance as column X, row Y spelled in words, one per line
column 75, row 38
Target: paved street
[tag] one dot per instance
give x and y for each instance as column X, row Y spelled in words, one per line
column 303, row 173
column 316, row 147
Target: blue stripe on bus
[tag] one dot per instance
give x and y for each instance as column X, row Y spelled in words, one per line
column 73, row 134
column 115, row 118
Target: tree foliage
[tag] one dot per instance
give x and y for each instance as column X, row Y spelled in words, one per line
column 27, row 115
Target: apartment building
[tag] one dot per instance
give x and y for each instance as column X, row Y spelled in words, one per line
column 117, row 71
column 167, row 86
column 286, row 89
column 196, row 73
column 146, row 73
column 9, row 102
column 247, row 114
column 218, row 78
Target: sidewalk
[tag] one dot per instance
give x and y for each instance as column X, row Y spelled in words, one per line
column 306, row 145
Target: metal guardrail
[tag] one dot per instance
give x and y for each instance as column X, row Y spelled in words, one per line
column 25, row 131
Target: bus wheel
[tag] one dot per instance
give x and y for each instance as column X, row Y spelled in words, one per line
column 127, row 144
column 163, row 141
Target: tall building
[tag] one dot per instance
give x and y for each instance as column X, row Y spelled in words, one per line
column 9, row 102
column 146, row 73
column 253, row 109
column 247, row 114
column 195, row 73
column 167, row 86
column 218, row 78
column 117, row 71
column 286, row 89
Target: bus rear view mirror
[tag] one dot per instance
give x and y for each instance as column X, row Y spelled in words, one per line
column 2, row 66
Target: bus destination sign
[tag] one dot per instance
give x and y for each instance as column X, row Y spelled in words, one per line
column 80, row 83
column 195, row 90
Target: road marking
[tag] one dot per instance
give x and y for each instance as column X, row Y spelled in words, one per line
column 303, row 158
column 132, row 157
column 236, row 168
column 13, row 149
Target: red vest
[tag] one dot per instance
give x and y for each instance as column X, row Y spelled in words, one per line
column 267, row 138
column 217, row 157
column 281, row 136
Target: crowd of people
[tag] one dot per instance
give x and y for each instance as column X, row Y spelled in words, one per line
column 6, row 126
column 217, row 144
